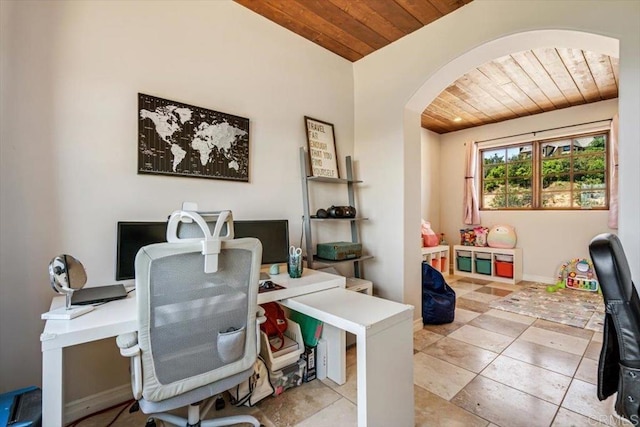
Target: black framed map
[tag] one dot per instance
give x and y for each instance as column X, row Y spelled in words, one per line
column 184, row 140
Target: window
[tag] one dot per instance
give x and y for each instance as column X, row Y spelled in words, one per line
column 567, row 173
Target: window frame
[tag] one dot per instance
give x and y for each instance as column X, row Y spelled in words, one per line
column 536, row 172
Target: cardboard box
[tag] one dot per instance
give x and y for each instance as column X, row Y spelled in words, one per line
column 309, row 357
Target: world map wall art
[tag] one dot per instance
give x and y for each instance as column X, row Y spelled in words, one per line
column 180, row 139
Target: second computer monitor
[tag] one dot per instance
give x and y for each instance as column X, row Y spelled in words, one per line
column 272, row 233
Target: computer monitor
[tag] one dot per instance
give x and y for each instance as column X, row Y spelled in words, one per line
column 131, row 237
column 272, row 233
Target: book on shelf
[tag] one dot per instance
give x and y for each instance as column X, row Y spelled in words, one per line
column 288, row 346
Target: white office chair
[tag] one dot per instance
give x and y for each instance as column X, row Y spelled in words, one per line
column 198, row 319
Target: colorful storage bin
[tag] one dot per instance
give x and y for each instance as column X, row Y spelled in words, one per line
column 504, row 269
column 463, row 259
column 483, row 266
column 443, row 263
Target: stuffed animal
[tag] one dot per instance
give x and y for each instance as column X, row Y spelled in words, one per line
column 481, row 235
column 502, row 236
column 429, row 237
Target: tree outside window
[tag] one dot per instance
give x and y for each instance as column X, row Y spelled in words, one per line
column 568, row 173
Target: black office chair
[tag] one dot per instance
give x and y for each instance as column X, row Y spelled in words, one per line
column 619, row 365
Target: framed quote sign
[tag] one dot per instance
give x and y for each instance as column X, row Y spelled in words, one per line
column 322, row 148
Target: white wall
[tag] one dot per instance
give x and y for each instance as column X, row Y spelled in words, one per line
column 71, row 72
column 431, row 180
column 394, row 84
column 548, row 238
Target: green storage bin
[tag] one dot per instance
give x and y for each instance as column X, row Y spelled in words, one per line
column 483, row 266
column 464, row 263
column 311, row 328
column 338, row 251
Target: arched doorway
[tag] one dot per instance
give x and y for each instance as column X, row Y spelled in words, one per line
column 504, row 46
column 479, row 55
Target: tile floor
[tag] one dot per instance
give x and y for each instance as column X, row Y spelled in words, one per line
column 487, row 368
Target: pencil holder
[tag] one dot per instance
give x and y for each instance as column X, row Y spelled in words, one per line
column 294, row 266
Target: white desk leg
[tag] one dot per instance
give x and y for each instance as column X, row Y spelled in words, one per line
column 385, row 377
column 336, row 349
column 52, row 388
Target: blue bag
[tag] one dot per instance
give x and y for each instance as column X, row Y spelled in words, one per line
column 438, row 299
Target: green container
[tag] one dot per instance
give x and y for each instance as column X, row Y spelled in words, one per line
column 338, row 251
column 483, row 266
column 464, row 263
column 311, row 328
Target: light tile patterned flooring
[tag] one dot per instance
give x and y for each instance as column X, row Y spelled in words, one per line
column 487, row 368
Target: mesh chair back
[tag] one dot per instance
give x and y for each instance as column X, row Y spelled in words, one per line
column 195, row 328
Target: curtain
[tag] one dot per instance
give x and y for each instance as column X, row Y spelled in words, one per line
column 471, row 209
column 613, row 174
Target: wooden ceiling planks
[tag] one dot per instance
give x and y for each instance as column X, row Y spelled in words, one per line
column 601, row 66
column 482, row 82
column 423, row 11
column 363, row 13
column 275, row 14
column 397, row 15
column 342, row 23
column 577, row 65
column 352, row 29
column 521, row 84
column 540, row 76
column 559, row 74
column 516, row 85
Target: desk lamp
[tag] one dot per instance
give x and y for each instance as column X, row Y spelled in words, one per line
column 67, row 275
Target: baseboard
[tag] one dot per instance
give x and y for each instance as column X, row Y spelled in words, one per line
column 540, row 279
column 417, row 324
column 96, row 402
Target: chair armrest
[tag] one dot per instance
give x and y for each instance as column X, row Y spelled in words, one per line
column 260, row 316
column 260, row 319
column 128, row 344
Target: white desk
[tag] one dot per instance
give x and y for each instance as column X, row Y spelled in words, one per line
column 384, row 333
column 118, row 317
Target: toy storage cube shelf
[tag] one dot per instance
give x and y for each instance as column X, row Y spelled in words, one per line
column 482, row 262
column 438, row 257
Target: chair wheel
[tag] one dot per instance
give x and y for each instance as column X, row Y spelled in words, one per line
column 220, row 404
column 150, row 423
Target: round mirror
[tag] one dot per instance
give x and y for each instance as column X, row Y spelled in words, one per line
column 66, row 274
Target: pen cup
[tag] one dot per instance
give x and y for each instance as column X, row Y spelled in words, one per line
column 294, row 266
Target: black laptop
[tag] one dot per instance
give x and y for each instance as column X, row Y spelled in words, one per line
column 98, row 294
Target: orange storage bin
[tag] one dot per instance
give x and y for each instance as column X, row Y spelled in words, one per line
column 443, row 264
column 435, row 263
column 504, row 269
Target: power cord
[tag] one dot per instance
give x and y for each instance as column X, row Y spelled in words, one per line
column 117, row 405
